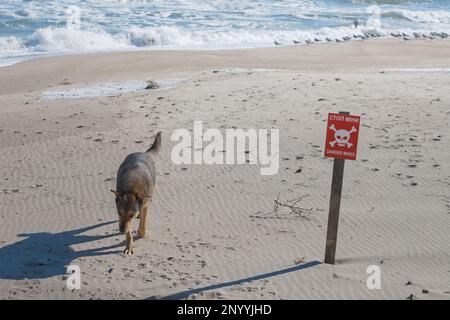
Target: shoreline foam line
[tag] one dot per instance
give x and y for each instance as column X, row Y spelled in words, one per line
column 108, row 89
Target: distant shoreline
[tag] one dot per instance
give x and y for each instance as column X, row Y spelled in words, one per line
column 98, row 68
column 13, row 60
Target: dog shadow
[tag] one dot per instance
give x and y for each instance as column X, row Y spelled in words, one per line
column 43, row 255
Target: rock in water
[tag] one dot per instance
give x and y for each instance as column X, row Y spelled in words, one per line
column 151, row 85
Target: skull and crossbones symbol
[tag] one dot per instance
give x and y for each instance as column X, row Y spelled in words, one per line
column 342, row 137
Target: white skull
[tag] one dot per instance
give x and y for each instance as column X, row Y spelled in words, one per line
column 342, row 137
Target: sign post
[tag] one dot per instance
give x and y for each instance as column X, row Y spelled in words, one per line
column 341, row 143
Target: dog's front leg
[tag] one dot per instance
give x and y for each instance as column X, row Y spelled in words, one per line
column 129, row 246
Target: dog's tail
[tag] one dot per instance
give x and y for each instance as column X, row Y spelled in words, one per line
column 156, row 146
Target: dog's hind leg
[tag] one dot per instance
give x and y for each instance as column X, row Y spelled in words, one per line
column 142, row 230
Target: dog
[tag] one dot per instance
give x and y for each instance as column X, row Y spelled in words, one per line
column 136, row 180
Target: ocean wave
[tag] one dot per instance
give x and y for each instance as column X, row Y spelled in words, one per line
column 66, row 39
column 423, row 17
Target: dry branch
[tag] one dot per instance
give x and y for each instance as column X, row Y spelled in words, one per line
column 294, row 210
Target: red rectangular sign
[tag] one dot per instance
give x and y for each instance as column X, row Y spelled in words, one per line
column 342, row 136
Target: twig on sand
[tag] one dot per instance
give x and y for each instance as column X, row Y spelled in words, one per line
column 278, row 212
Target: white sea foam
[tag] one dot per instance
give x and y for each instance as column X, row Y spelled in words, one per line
column 420, row 70
column 10, row 45
column 108, row 89
column 64, row 39
column 67, row 40
column 234, row 71
column 424, row 17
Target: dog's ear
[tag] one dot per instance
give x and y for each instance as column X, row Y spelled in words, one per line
column 115, row 193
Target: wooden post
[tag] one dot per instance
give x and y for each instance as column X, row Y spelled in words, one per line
column 335, row 205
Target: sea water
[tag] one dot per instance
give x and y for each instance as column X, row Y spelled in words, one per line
column 30, row 28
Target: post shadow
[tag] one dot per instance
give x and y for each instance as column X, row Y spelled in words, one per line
column 43, row 254
column 187, row 293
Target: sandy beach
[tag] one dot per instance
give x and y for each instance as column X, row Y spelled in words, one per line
column 67, row 122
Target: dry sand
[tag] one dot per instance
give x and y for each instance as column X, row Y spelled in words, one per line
column 207, row 235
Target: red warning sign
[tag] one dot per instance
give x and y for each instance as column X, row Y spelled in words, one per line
column 342, row 136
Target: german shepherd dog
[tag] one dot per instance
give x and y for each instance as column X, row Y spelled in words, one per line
column 135, row 184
